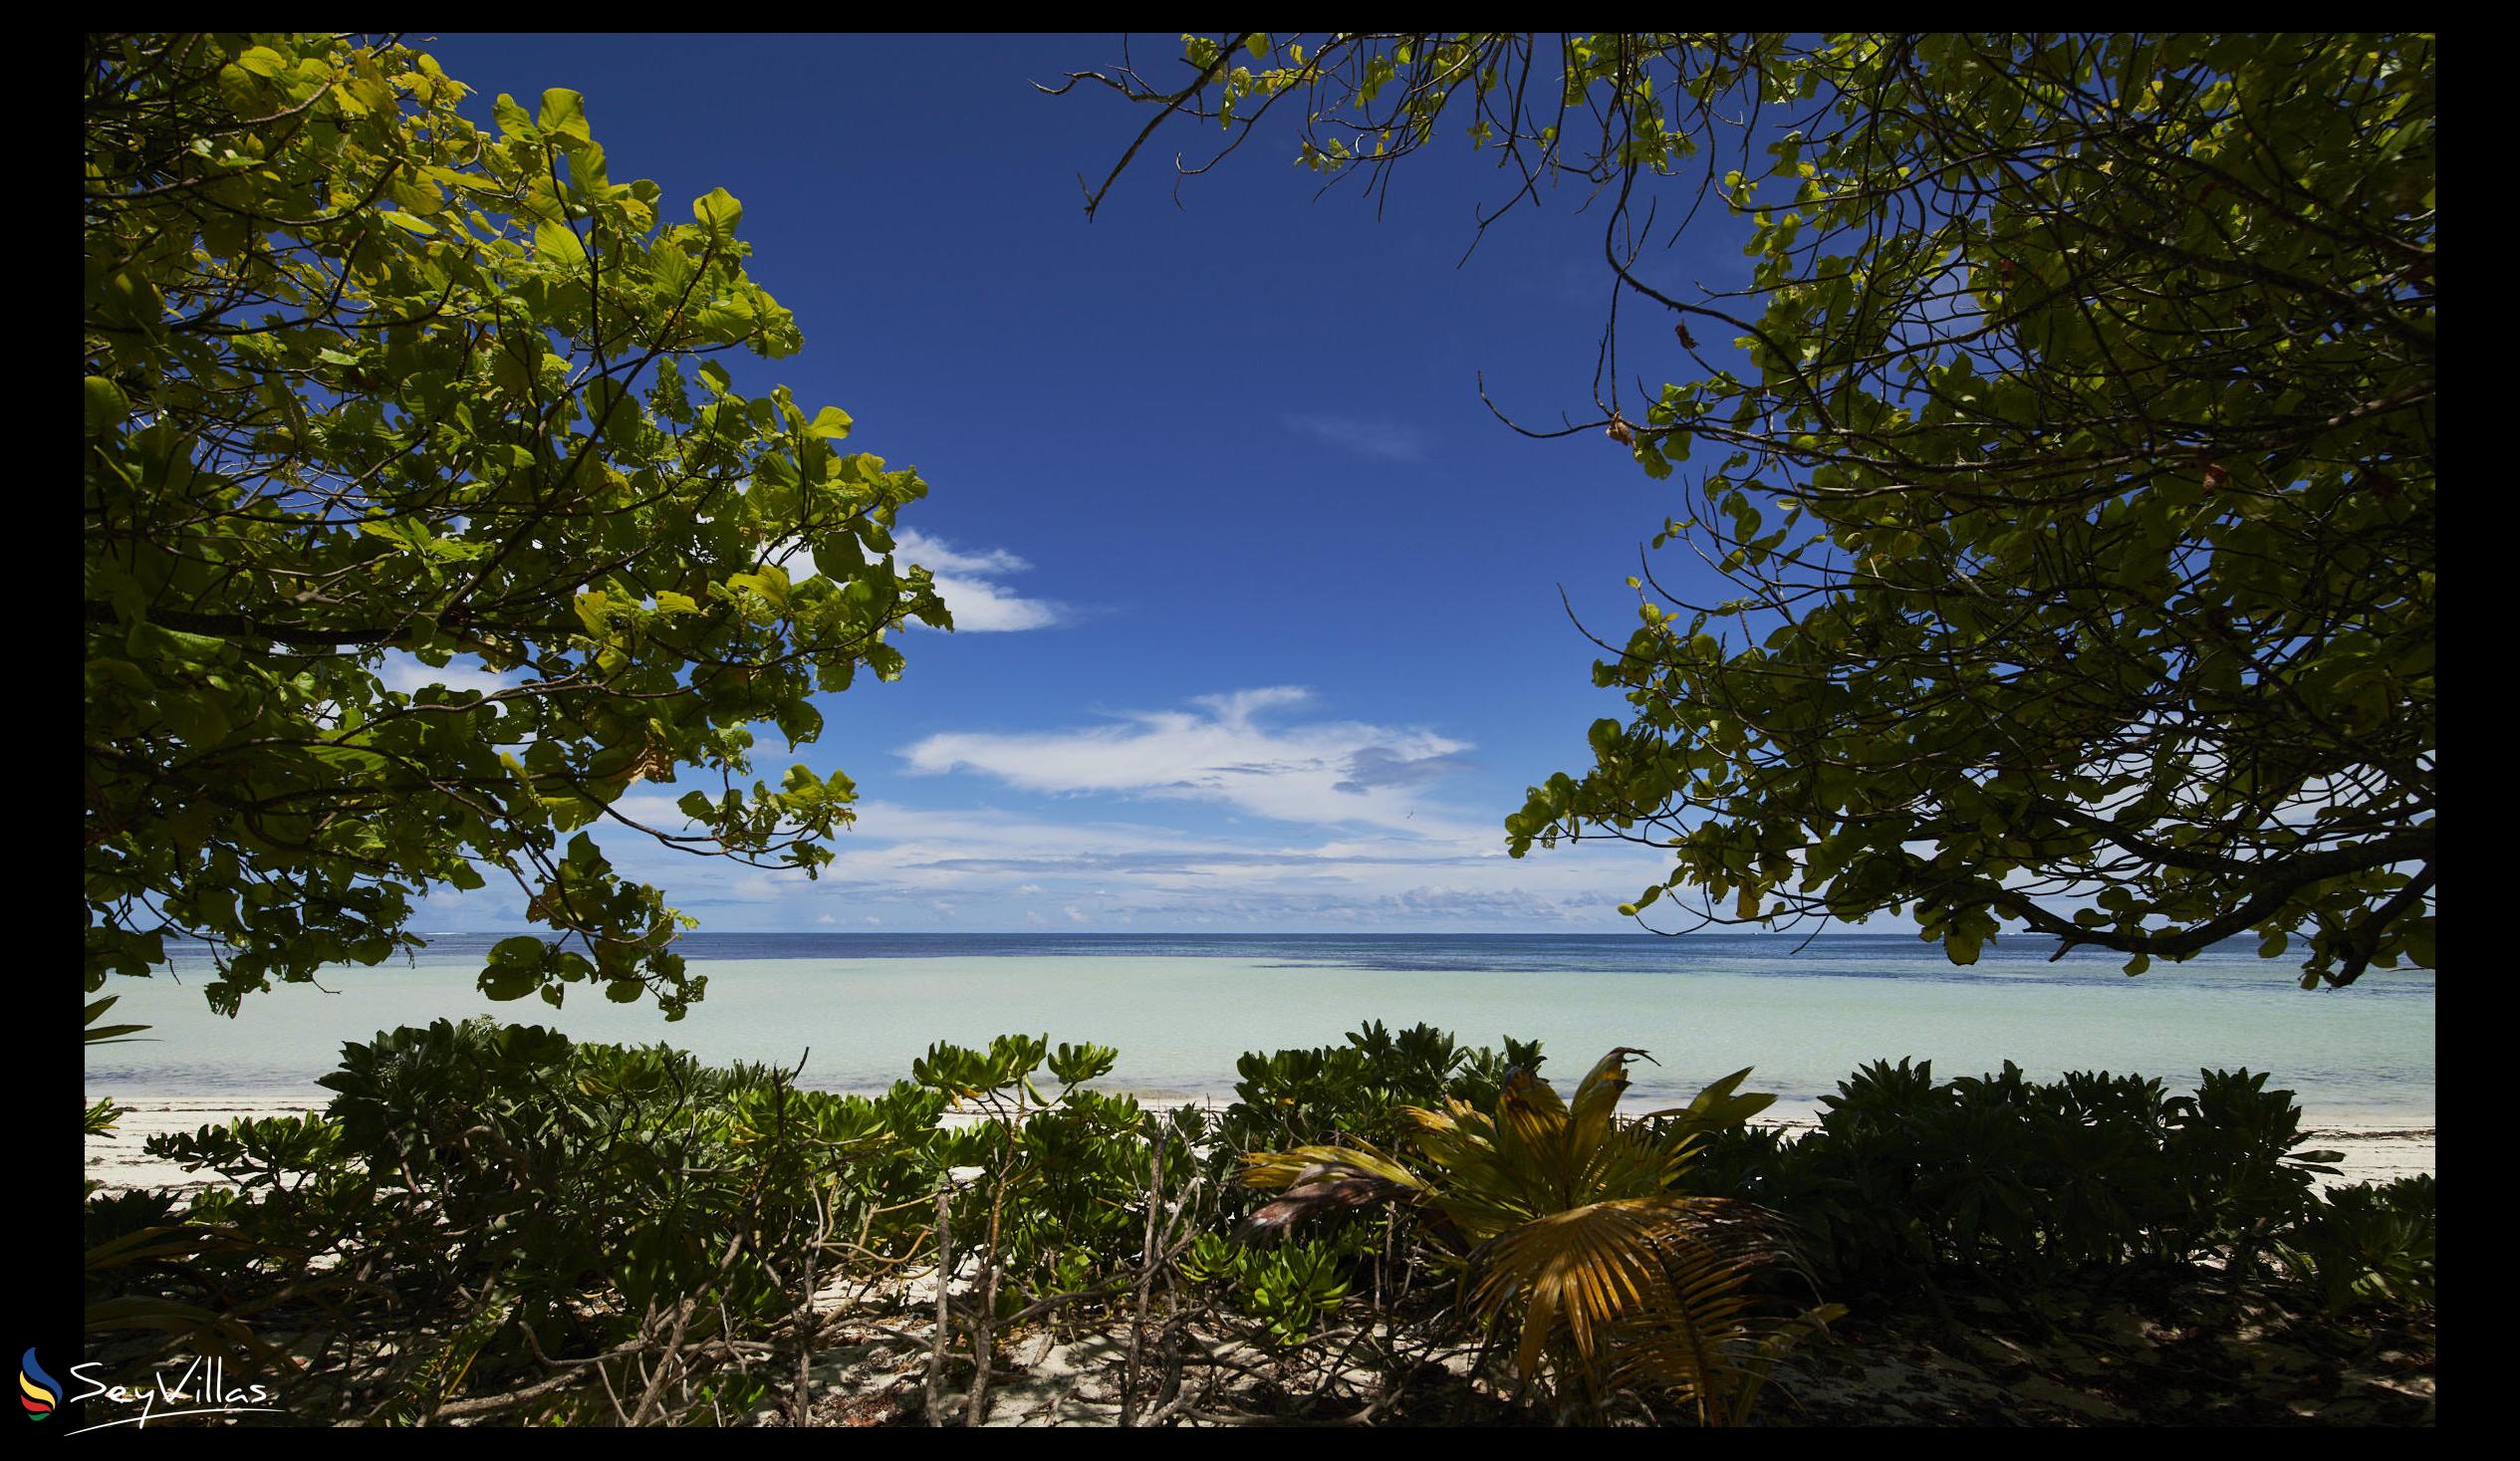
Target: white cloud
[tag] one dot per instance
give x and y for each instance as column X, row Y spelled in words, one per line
column 1341, row 826
column 938, row 556
column 963, row 579
column 1325, row 772
column 652, row 808
column 911, row 868
column 1383, row 440
column 1436, row 872
column 983, row 608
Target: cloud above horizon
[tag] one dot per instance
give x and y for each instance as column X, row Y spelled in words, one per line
column 995, row 867
column 1334, row 824
column 1227, row 752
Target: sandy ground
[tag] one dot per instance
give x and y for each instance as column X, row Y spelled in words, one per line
column 119, row 1162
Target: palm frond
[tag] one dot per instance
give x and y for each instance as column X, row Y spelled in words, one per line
column 1573, row 1227
column 1715, row 1361
column 1321, row 1178
column 1590, row 1267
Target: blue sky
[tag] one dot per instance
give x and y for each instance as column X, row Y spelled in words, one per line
column 1260, row 606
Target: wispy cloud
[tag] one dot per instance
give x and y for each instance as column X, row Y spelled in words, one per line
column 1100, row 872
column 1322, row 772
column 902, row 866
column 1343, row 832
column 1383, row 440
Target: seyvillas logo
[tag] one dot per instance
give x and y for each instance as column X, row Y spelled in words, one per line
column 201, row 1388
column 37, row 1392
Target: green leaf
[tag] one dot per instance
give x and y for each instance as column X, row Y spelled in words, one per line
column 564, row 111
column 717, row 211
column 520, row 953
column 107, row 409
column 510, row 118
column 559, row 244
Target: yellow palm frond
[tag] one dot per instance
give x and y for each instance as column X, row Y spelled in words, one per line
column 1287, row 1168
column 1569, row 1221
column 1596, row 1101
column 1589, row 1267
column 1316, row 1178
column 1709, row 1341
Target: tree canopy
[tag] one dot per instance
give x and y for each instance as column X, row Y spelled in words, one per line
column 2067, row 445
column 368, row 388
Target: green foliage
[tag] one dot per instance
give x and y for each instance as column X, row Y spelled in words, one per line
column 107, row 1034
column 1289, row 1288
column 361, row 378
column 519, row 1192
column 2365, row 1244
column 2068, row 441
column 2027, row 1180
column 101, row 1117
column 1061, row 1202
column 496, row 1198
column 513, row 1192
column 1357, row 1091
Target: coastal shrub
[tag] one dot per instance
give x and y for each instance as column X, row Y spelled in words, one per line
column 2233, row 1159
column 121, row 1214
column 495, row 1195
column 1356, row 1091
column 2364, row 1244
column 566, row 1168
column 2006, row 1176
column 1288, row 1289
column 498, row 1201
column 1059, row 1205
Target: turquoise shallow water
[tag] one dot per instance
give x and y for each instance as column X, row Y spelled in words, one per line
column 1181, row 1010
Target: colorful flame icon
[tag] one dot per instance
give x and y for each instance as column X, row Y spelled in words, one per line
column 37, row 1392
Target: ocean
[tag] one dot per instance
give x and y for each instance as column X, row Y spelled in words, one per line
column 856, row 1009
